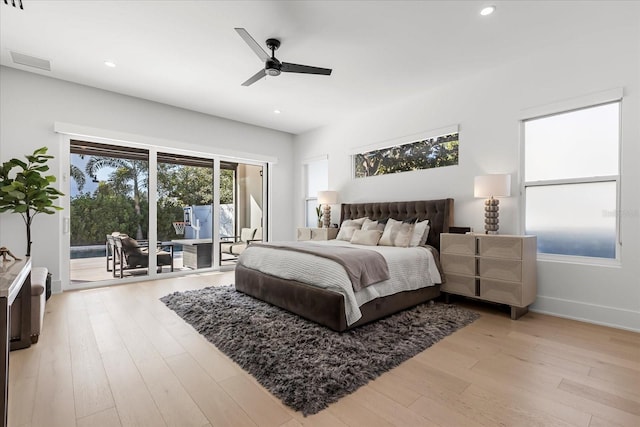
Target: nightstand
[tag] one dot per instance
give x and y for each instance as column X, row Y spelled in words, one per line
column 317, row 233
column 489, row 267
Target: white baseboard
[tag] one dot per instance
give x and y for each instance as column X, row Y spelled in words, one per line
column 590, row 313
column 56, row 286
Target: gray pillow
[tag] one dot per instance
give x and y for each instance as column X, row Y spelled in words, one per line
column 372, row 225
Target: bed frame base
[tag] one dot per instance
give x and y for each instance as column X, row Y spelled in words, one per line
column 320, row 305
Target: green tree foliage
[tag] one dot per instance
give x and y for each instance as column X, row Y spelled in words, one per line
column 129, row 177
column 101, row 213
column 425, row 154
column 114, row 206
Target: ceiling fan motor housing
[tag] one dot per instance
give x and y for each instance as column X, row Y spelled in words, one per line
column 272, row 67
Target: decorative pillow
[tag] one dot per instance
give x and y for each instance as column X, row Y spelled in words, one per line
column 366, row 237
column 420, row 233
column 346, row 233
column 372, row 225
column 396, row 233
column 348, row 226
column 354, row 222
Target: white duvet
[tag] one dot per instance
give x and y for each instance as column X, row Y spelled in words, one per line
column 409, row 269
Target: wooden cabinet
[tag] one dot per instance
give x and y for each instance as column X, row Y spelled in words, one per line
column 317, row 233
column 497, row 268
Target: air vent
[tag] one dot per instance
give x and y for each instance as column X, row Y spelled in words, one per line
column 30, row 61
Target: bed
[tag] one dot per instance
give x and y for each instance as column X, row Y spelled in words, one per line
column 327, row 307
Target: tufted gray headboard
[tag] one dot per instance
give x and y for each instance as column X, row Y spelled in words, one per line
column 438, row 212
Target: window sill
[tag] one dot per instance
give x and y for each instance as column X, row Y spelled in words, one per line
column 578, row 260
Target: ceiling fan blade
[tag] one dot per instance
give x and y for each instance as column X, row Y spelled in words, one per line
column 295, row 68
column 257, row 76
column 264, row 56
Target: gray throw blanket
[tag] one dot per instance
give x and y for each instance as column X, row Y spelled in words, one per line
column 364, row 267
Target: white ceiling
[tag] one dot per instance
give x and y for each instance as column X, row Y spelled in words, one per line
column 187, row 54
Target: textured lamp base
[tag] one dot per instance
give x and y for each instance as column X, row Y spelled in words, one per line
column 491, row 213
column 326, row 216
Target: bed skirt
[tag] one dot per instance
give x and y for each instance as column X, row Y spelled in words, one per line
column 320, row 305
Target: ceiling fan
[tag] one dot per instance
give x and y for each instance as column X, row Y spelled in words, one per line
column 272, row 66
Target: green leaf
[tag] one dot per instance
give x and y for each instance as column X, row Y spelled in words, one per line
column 16, row 162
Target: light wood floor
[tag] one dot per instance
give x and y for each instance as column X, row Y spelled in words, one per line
column 117, row 356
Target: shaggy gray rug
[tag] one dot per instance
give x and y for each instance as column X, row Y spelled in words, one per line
column 304, row 364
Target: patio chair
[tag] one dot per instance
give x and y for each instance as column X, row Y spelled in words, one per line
column 132, row 255
column 239, row 243
column 113, row 258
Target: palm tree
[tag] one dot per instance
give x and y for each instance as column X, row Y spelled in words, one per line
column 78, row 176
column 125, row 170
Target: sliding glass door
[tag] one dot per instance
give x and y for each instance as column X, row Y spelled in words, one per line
column 242, row 207
column 204, row 210
column 109, row 197
column 185, row 209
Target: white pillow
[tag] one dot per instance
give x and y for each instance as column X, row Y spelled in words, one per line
column 396, row 233
column 420, row 233
column 347, row 228
column 346, row 232
column 366, row 237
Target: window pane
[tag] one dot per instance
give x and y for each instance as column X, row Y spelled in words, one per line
column 311, row 215
column 576, row 144
column 573, row 219
column 185, row 191
column 317, row 177
column 109, row 194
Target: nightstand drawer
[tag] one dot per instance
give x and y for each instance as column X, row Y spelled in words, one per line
column 503, row 269
column 462, row 244
column 502, row 292
column 304, row 234
column 458, row 264
column 460, row 285
column 324, row 233
column 500, row 247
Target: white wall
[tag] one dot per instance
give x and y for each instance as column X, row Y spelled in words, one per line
column 487, row 107
column 250, row 182
column 30, row 104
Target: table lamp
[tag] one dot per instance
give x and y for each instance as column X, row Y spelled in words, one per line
column 490, row 186
column 327, row 198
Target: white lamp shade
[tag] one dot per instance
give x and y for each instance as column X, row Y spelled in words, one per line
column 497, row 185
column 327, row 197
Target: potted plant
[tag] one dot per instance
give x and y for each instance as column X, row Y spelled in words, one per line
column 28, row 192
column 319, row 213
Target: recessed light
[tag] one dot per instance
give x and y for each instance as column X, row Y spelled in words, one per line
column 276, row 111
column 487, row 10
column 110, row 64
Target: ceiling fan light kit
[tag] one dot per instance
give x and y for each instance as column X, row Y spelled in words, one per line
column 272, row 66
